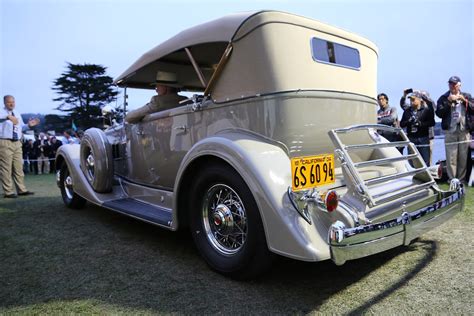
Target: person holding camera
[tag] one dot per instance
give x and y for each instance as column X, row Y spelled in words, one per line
column 417, row 120
column 455, row 109
column 43, row 153
column 404, row 105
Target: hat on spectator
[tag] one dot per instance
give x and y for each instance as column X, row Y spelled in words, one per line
column 454, row 79
column 415, row 94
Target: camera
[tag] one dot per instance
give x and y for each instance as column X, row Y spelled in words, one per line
column 408, row 91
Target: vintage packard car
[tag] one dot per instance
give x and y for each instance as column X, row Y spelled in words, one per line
column 277, row 152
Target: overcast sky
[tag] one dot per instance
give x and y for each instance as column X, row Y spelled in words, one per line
column 421, row 43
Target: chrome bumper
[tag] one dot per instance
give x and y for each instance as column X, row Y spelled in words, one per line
column 361, row 241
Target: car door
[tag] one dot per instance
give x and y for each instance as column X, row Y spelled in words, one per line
column 157, row 146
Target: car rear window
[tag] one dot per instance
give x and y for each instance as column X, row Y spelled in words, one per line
column 333, row 53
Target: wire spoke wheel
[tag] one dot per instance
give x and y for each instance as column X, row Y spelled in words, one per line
column 226, row 225
column 66, row 184
column 224, row 219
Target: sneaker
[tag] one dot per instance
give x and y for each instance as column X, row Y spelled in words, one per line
column 10, row 196
column 26, row 193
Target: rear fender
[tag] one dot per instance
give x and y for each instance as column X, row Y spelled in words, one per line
column 264, row 165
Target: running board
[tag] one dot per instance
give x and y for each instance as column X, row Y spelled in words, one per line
column 142, row 211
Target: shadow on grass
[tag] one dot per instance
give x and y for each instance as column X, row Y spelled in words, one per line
column 430, row 247
column 51, row 253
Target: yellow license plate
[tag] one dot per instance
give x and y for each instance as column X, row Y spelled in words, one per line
column 312, row 171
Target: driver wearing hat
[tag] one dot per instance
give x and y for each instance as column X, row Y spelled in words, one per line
column 167, row 97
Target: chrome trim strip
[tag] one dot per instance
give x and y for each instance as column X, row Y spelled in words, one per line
column 377, row 145
column 366, row 126
column 384, row 161
column 383, row 179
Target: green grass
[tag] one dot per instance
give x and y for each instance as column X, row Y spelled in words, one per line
column 54, row 260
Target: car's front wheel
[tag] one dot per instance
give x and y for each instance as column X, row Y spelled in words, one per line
column 226, row 224
column 70, row 198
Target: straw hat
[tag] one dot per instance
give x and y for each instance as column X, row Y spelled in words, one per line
column 167, row 79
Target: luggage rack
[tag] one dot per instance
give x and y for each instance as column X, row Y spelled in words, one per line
column 365, row 188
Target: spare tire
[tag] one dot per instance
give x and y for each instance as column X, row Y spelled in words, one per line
column 96, row 160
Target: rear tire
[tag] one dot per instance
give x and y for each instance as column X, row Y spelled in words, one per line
column 70, row 198
column 226, row 225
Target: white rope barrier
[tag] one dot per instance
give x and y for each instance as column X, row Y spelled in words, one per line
column 38, row 160
column 446, row 144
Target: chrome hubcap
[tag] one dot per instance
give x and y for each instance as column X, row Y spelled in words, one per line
column 225, row 220
column 68, row 189
column 90, row 162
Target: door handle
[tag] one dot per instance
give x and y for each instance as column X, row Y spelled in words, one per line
column 183, row 128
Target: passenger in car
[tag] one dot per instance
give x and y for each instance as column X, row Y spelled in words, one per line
column 167, row 89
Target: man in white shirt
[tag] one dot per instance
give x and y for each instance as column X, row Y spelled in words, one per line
column 11, row 155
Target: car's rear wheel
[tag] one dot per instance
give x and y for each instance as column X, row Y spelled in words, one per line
column 226, row 224
column 96, row 160
column 70, row 198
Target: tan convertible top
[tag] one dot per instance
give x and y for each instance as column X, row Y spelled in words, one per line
column 255, row 38
column 217, row 31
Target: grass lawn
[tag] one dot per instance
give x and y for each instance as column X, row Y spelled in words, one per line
column 54, row 260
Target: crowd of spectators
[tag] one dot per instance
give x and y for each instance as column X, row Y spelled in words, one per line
column 455, row 108
column 39, row 150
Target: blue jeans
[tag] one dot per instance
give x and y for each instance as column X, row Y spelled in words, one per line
column 423, row 146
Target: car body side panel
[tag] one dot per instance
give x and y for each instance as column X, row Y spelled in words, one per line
column 155, row 147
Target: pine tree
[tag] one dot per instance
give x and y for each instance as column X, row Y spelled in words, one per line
column 83, row 90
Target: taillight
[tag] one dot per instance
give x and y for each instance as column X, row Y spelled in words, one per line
column 331, row 200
